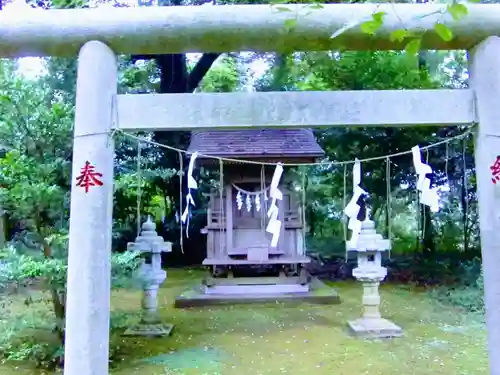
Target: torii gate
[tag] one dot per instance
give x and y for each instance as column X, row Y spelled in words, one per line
column 98, row 35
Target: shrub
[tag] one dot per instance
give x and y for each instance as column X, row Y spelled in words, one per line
column 469, row 293
column 36, row 333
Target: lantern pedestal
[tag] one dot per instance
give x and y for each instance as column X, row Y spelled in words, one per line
column 372, row 325
column 370, row 273
column 374, row 328
column 150, row 324
column 152, row 276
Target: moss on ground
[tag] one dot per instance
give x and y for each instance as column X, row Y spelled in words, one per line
column 301, row 339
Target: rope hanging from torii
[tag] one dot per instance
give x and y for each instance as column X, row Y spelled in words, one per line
column 428, row 195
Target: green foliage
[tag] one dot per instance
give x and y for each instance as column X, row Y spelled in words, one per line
column 469, row 292
column 358, row 71
column 35, row 128
column 399, row 35
column 29, row 190
column 139, row 77
column 413, row 46
column 18, row 267
column 30, row 336
column 146, row 182
column 443, row 31
column 371, row 27
column 26, row 337
column 223, row 77
column 451, row 231
column 290, row 24
column 36, row 133
column 457, row 10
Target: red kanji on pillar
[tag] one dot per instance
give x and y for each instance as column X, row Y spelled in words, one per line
column 495, row 170
column 88, row 177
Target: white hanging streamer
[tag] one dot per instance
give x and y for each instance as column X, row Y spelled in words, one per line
column 249, row 196
column 274, row 225
column 352, row 208
column 248, row 203
column 239, row 201
column 192, row 184
column 428, row 196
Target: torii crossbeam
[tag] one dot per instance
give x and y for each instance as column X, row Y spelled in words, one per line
column 226, row 28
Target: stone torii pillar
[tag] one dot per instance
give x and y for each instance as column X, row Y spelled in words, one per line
column 89, row 254
column 485, row 81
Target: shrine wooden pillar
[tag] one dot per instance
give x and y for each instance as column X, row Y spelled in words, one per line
column 485, row 81
column 228, row 221
column 89, row 266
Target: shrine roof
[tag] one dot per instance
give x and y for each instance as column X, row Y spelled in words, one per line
column 258, row 143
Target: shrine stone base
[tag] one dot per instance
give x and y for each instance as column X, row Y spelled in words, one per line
column 314, row 292
column 374, row 328
column 150, row 330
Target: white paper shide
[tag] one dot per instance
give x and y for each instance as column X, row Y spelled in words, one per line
column 352, row 208
column 428, row 196
column 192, row 184
column 274, row 225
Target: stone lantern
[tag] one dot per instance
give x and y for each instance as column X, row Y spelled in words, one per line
column 369, row 247
column 152, row 276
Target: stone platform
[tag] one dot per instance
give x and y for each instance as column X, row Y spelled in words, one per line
column 150, row 330
column 229, row 291
column 374, row 328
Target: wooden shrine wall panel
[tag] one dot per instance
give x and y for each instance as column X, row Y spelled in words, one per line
column 220, row 244
column 210, row 244
column 288, row 242
column 291, row 243
column 245, row 238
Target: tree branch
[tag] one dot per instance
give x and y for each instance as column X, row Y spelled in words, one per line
column 201, row 68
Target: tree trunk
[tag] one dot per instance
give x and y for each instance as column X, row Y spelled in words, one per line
column 280, row 74
column 57, row 299
column 311, row 221
column 428, row 245
column 59, row 310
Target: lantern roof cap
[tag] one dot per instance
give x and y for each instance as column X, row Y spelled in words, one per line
column 369, row 240
column 149, row 241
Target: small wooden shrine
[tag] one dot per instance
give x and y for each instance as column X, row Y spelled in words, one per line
column 239, row 250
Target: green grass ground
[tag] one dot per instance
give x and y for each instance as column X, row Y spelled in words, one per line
column 301, row 339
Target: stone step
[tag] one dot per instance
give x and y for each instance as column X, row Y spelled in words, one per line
column 256, row 289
